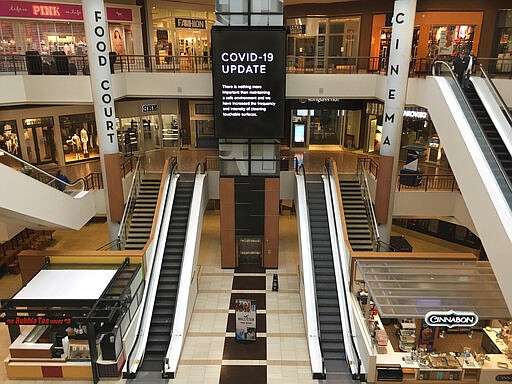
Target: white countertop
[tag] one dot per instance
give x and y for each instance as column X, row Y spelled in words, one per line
column 498, row 342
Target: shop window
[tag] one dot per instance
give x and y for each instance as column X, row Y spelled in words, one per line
column 7, row 40
column 9, row 140
column 170, row 130
column 79, row 137
column 447, row 41
column 325, row 127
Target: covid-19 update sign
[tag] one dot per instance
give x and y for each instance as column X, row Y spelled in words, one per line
column 249, row 81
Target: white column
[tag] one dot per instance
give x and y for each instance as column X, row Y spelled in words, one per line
column 396, row 91
column 98, row 48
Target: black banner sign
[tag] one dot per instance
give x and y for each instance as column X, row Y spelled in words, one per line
column 180, row 22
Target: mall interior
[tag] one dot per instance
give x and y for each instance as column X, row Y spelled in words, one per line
column 203, row 245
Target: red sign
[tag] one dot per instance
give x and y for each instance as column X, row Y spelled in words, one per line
column 37, row 320
column 55, row 11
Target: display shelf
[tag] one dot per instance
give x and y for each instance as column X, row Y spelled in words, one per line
column 407, row 334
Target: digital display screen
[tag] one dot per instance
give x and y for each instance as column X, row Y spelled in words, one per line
column 298, row 134
column 248, row 81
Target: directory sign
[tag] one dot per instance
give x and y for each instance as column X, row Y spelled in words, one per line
column 248, row 81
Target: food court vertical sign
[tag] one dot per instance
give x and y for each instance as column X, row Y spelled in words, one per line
column 245, row 319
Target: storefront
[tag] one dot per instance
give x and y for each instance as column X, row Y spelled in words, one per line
column 504, row 43
column 317, row 44
column 79, row 331
column 59, row 135
column 202, row 127
column 437, row 35
column 145, row 125
column 448, row 324
column 183, row 33
column 325, row 121
column 34, row 26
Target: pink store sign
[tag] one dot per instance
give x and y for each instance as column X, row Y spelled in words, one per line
column 55, row 11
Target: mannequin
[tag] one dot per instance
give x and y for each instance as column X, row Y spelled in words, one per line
column 84, row 137
column 77, row 145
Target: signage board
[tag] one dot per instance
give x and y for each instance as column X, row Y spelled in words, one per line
column 451, row 319
column 36, row 320
column 149, row 107
column 245, row 319
column 248, row 81
column 296, row 29
column 55, row 11
column 180, row 22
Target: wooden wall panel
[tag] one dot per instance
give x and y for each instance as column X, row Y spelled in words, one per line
column 271, row 241
column 227, row 223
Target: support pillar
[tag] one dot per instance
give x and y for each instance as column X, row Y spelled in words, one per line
column 396, row 91
column 95, row 20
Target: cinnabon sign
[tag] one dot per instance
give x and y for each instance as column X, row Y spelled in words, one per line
column 451, row 319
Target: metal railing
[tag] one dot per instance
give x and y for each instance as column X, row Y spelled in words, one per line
column 129, row 206
column 428, row 182
column 45, row 177
column 79, row 65
column 368, row 204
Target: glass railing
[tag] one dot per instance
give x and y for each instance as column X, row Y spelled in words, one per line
column 42, row 176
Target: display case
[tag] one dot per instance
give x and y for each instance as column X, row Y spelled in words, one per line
column 407, row 335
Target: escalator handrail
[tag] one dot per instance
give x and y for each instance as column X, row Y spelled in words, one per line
column 39, row 170
column 328, row 167
column 497, row 95
column 171, row 172
column 134, row 187
column 369, row 203
column 298, row 171
column 466, row 101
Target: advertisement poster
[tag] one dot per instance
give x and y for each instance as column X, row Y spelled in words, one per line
column 245, row 319
column 446, row 43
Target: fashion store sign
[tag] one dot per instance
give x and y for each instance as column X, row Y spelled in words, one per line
column 451, row 319
column 53, row 11
column 190, row 23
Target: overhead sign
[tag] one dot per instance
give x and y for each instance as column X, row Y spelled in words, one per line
column 245, row 320
column 295, row 29
column 451, row 319
column 248, row 81
column 149, row 107
column 37, row 320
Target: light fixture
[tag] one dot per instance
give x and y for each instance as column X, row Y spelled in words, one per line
column 470, row 334
column 442, row 333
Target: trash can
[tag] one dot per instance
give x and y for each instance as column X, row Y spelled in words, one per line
column 34, row 63
column 112, row 56
column 62, row 62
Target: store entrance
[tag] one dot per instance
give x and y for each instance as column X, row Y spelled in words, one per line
column 151, row 133
column 39, row 141
column 250, row 251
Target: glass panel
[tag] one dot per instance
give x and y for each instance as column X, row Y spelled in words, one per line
column 79, row 136
column 170, row 130
column 7, row 40
column 325, row 127
column 39, row 142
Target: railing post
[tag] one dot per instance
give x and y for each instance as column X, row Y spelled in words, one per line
column 426, row 182
column 14, row 64
column 128, row 64
column 121, row 62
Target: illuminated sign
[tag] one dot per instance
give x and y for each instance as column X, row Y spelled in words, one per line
column 248, row 81
column 451, row 319
column 295, row 29
column 190, row 23
column 149, row 107
column 415, row 114
column 39, row 10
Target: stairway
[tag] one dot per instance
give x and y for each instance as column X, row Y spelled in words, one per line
column 498, row 146
column 356, row 216
column 143, row 213
column 331, row 335
column 165, row 301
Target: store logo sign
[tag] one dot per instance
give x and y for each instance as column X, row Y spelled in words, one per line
column 295, row 29
column 149, row 107
column 190, row 23
column 415, row 114
column 503, row 378
column 451, row 319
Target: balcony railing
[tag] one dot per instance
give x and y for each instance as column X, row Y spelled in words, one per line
column 78, row 65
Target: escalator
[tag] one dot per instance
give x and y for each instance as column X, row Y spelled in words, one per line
column 162, row 318
column 489, row 130
column 331, row 332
